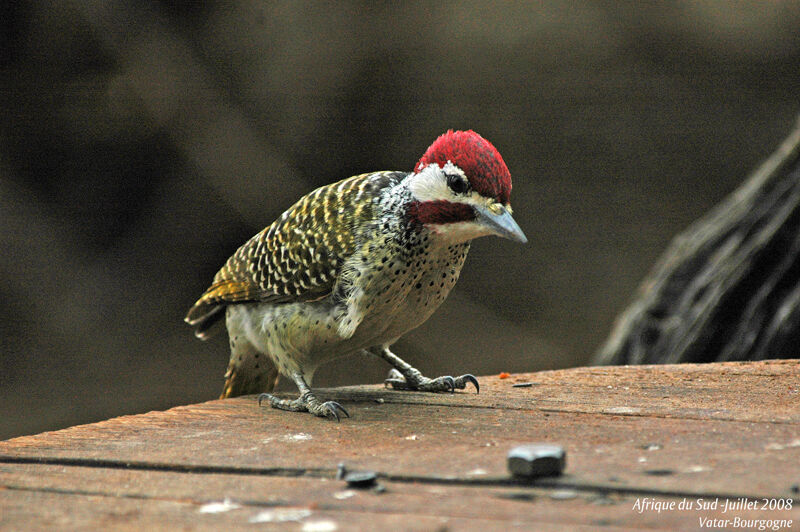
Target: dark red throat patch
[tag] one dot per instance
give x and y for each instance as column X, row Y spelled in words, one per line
column 477, row 157
column 439, row 212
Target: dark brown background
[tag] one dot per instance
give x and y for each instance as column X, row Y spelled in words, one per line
column 142, row 142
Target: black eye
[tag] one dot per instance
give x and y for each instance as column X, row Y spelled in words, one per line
column 457, row 184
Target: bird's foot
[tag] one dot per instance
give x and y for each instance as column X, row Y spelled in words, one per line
column 307, row 402
column 415, row 381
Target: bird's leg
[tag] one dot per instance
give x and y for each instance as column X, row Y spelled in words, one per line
column 404, row 376
column 307, row 402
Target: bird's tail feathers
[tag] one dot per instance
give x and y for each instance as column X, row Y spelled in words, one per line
column 203, row 317
column 249, row 375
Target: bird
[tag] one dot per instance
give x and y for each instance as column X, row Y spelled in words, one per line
column 353, row 266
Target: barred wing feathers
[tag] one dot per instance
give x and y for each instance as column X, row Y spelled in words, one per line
column 299, row 256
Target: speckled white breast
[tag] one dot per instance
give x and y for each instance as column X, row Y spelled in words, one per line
column 400, row 294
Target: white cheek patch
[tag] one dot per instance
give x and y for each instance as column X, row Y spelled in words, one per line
column 429, row 184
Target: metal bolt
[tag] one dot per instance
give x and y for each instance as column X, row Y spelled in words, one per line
column 361, row 479
column 536, row 460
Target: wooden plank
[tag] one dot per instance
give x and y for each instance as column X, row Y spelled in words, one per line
column 664, row 432
column 431, row 443
column 606, row 449
column 738, row 391
column 46, row 497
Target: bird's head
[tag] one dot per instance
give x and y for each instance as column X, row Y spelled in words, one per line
column 461, row 188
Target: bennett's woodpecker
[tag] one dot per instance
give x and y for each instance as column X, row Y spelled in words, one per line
column 353, row 266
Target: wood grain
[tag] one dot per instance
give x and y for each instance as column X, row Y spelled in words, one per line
column 663, row 432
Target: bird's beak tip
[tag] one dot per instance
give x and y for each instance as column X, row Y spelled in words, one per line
column 502, row 224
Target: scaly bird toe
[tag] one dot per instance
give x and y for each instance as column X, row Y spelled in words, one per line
column 306, row 403
column 462, row 381
column 417, row 382
column 296, row 405
column 329, row 409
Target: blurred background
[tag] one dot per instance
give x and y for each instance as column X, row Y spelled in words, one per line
column 142, row 142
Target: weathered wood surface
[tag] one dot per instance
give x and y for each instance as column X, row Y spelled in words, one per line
column 659, row 432
column 728, row 287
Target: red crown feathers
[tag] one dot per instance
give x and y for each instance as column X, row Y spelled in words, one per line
column 477, row 157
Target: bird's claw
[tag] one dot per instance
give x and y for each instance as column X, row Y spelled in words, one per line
column 461, row 382
column 330, row 409
column 306, row 403
column 423, row 384
column 450, row 382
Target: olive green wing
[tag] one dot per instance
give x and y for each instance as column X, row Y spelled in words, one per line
column 299, row 256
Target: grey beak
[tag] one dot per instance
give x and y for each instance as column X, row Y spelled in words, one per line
column 501, row 224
